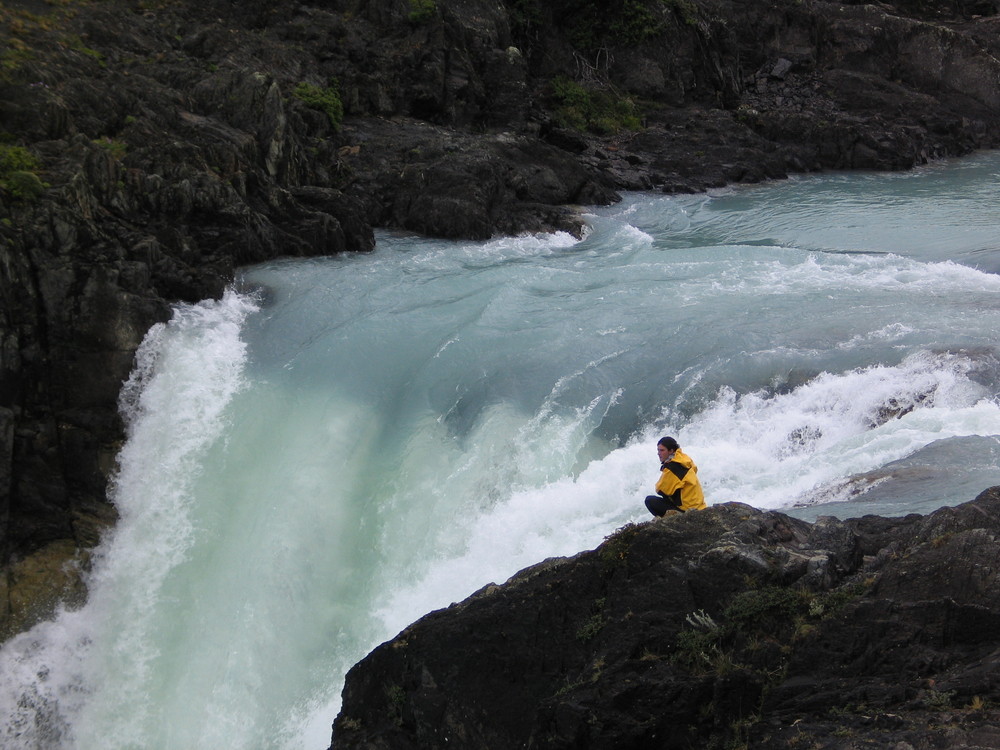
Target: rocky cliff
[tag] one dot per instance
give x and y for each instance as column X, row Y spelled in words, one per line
column 149, row 147
column 724, row 628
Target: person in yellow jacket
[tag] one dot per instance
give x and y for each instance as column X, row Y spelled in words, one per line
column 678, row 488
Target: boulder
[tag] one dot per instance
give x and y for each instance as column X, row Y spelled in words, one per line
column 728, row 627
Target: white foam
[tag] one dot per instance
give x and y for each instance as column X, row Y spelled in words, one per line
column 83, row 679
column 774, row 450
column 766, row 450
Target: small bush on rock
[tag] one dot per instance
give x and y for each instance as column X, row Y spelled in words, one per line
column 616, row 546
column 17, row 173
column 16, row 158
column 422, row 11
column 324, row 99
column 24, row 186
column 597, row 110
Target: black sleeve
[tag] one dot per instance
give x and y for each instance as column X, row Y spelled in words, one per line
column 673, row 500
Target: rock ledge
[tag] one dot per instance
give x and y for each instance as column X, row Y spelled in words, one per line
column 730, row 627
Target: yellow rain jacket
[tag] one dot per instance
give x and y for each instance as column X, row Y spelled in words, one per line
column 679, row 482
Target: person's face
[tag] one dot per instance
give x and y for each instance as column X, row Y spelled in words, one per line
column 664, row 453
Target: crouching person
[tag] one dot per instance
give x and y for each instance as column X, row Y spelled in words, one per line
column 678, row 489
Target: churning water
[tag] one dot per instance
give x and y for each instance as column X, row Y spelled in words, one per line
column 347, row 443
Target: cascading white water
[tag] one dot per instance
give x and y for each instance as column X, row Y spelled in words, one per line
column 98, row 669
column 350, row 442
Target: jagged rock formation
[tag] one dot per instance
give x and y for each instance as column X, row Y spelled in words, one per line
column 148, row 147
column 724, row 628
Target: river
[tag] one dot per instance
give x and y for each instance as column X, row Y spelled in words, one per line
column 343, row 444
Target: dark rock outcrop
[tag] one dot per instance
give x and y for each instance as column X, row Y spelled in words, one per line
column 149, row 148
column 729, row 627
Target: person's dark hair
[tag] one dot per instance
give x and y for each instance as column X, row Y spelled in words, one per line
column 669, row 443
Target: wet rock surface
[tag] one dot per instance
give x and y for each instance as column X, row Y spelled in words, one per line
column 729, row 627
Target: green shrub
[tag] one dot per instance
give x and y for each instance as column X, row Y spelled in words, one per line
column 759, row 608
column 830, row 602
column 422, row 11
column 591, row 627
column 16, row 158
column 326, row 100
column 24, row 186
column 616, row 546
column 939, row 700
column 635, row 23
column 774, row 612
column 697, row 650
column 595, row 623
column 17, row 173
column 598, row 110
